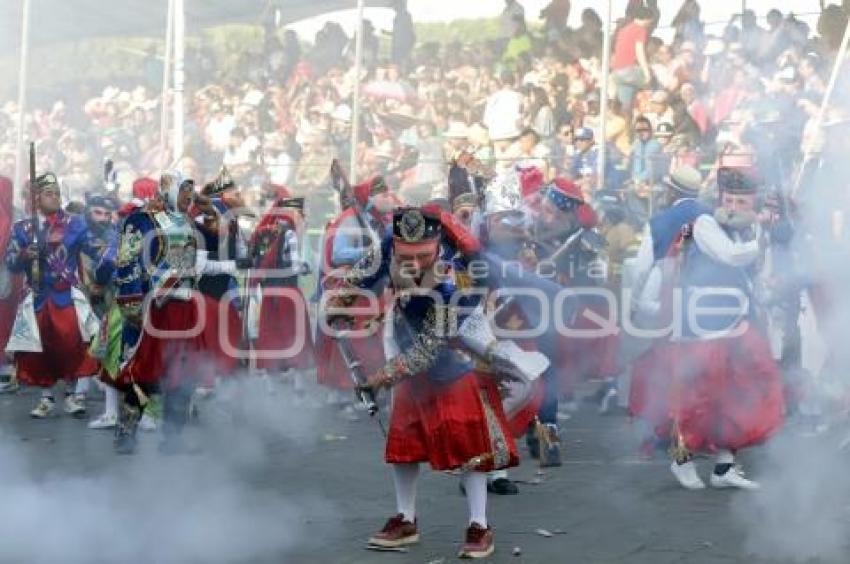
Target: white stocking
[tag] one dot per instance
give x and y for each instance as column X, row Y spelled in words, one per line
column 110, row 403
column 475, row 484
column 82, row 386
column 404, row 477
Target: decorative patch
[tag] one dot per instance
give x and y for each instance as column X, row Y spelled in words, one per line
column 501, row 454
column 130, row 247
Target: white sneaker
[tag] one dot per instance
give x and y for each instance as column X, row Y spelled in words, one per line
column 44, row 408
column 105, row 421
column 75, row 405
column 733, row 479
column 147, row 423
column 610, row 396
column 9, row 387
column 687, row 475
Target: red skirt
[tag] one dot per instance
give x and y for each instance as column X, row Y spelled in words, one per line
column 449, row 425
column 649, row 396
column 369, row 350
column 224, row 336
column 728, row 393
column 285, row 332
column 170, row 359
column 65, row 354
column 584, row 357
column 520, row 420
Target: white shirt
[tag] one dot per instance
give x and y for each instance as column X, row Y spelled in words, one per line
column 218, row 132
column 503, row 114
column 709, row 237
column 717, row 245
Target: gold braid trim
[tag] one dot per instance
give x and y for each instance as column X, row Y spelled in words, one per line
column 421, row 355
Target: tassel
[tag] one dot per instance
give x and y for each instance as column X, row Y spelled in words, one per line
column 678, row 450
column 476, row 462
column 143, row 397
column 542, row 437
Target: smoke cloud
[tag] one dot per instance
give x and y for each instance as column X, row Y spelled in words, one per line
column 181, row 509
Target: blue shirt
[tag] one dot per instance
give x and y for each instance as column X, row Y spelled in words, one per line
column 643, row 155
column 62, row 241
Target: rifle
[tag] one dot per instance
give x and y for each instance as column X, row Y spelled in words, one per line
column 355, row 371
column 553, row 257
column 340, row 183
column 35, row 267
column 110, row 178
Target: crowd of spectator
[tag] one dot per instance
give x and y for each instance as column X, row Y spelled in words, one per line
column 529, row 97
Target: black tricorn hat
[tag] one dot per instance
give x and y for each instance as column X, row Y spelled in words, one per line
column 737, row 181
column 416, row 225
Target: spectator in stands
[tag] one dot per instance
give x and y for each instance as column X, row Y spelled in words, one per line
column 629, row 65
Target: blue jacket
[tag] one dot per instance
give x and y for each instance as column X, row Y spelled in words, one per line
column 62, row 239
column 424, row 325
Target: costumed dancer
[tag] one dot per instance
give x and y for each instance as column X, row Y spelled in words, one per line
column 216, row 214
column 107, row 346
column 727, row 392
column 565, row 243
column 503, row 228
column 10, row 285
column 282, row 337
column 651, row 301
column 347, row 239
column 54, row 321
column 443, row 411
column 168, row 348
column 98, row 213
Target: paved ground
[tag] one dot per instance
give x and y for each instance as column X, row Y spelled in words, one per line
column 293, row 483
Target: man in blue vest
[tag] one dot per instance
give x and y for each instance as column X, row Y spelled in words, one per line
column 725, row 392
column 660, row 243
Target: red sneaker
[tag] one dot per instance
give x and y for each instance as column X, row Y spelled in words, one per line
column 479, row 542
column 397, row 532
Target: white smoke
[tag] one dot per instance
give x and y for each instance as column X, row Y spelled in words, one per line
column 154, row 508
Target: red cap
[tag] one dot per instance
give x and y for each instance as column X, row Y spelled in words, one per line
column 367, row 188
column 280, row 191
column 145, row 188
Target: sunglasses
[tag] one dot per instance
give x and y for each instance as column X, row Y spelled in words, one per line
column 643, row 130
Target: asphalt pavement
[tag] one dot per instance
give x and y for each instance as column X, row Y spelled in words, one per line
column 283, row 480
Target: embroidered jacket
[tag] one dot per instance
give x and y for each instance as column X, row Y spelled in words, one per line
column 63, row 238
column 423, row 324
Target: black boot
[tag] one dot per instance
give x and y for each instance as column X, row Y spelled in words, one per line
column 532, row 442
column 125, row 431
column 502, row 486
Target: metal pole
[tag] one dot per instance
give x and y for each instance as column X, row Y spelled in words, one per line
column 603, row 102
column 22, row 99
column 179, row 76
column 827, row 96
column 355, row 111
column 166, row 73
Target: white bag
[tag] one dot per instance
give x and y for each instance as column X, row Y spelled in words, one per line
column 25, row 336
column 87, row 321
